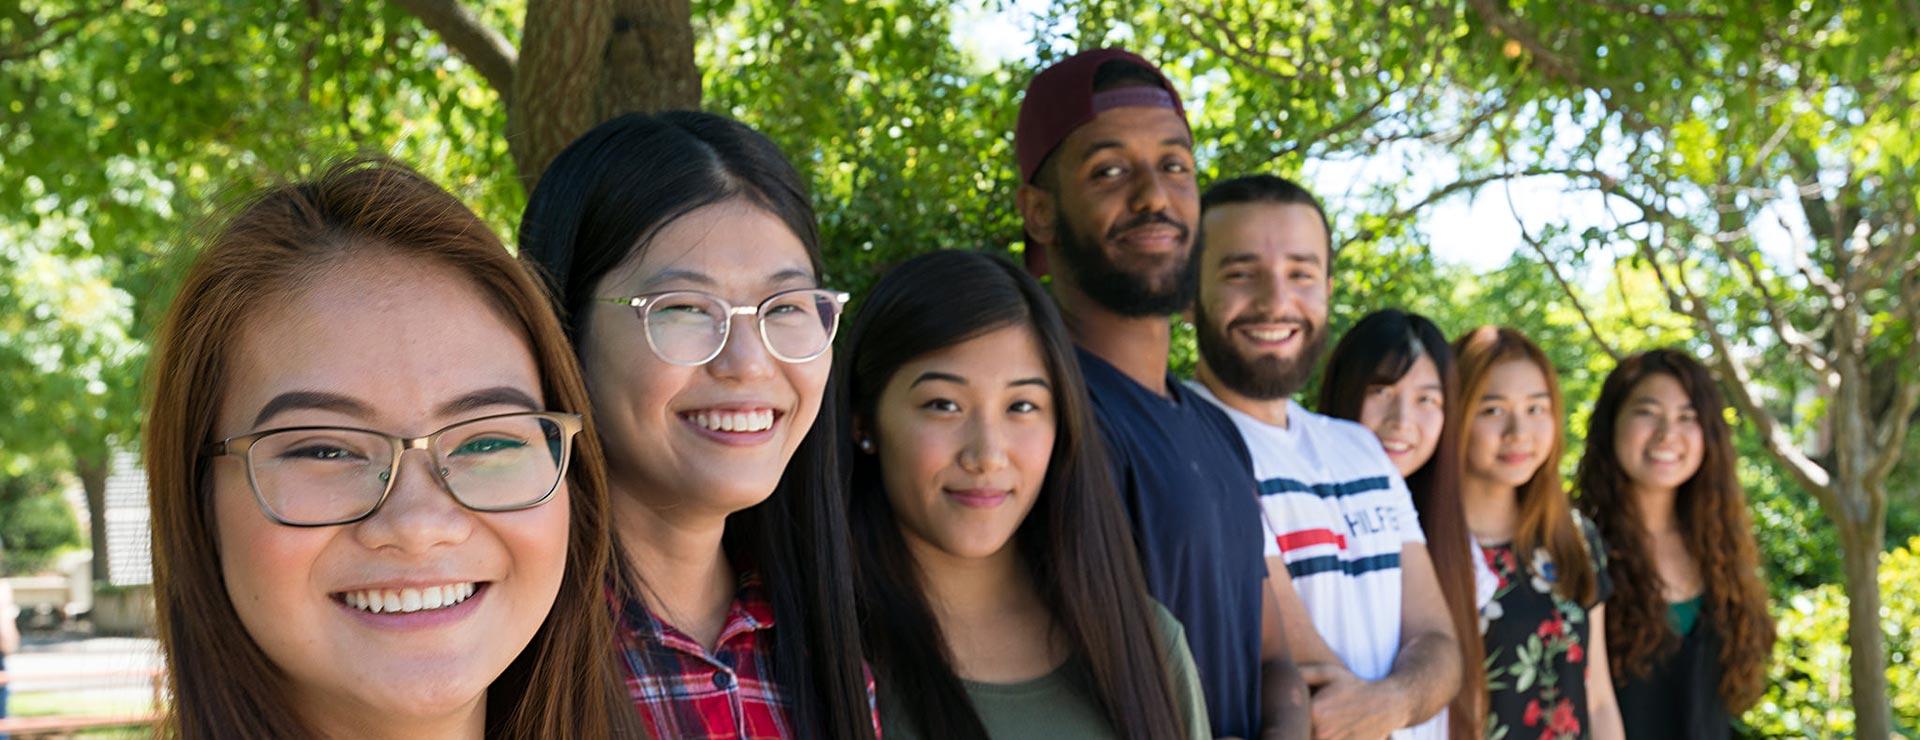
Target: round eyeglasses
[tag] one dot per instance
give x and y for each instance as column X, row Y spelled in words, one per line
column 323, row 476
column 690, row 328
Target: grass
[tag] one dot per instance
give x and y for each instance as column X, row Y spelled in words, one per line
column 86, row 703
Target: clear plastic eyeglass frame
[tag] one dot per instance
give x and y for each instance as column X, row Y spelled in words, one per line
column 241, row 446
column 640, row 304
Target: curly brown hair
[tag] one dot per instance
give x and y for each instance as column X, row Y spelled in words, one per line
column 1712, row 515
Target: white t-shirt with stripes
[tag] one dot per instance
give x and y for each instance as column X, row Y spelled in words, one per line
column 1338, row 513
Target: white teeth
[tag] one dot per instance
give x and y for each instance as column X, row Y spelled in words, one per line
column 1272, row 335
column 734, row 421
column 1397, row 446
column 389, row 601
column 1664, row 457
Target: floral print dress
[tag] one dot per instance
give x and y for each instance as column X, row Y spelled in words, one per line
column 1537, row 645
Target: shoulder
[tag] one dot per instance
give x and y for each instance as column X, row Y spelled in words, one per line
column 1169, row 627
column 1350, row 435
column 1590, row 537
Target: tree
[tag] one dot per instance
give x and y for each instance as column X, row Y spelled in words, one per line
column 1793, row 119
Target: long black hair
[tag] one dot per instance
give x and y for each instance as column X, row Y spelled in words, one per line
column 1076, row 541
column 1379, row 350
column 603, row 200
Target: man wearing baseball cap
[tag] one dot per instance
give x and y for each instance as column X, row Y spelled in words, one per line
column 1109, row 202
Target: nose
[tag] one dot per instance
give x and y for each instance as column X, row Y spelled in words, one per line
column 419, row 513
column 744, row 356
column 1396, row 411
column 986, row 448
column 1662, row 426
column 1510, row 426
column 1149, row 194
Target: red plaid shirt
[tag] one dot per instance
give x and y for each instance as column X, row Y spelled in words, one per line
column 697, row 695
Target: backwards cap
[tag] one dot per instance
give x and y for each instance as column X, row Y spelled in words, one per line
column 1061, row 99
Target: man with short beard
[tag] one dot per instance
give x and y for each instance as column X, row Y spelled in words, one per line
column 1108, row 197
column 1364, row 615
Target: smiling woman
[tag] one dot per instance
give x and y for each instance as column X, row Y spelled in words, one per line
column 684, row 251
column 354, row 535
column 1545, row 630
column 1001, row 596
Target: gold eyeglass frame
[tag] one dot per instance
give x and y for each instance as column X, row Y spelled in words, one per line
column 241, row 446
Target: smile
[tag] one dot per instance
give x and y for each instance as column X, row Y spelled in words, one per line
column 1663, row 456
column 1397, row 447
column 408, row 600
column 980, row 498
column 742, row 421
column 1273, row 336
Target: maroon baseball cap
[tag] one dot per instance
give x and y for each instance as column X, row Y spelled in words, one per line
column 1061, row 99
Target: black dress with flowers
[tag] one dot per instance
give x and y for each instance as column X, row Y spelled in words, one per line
column 1537, row 646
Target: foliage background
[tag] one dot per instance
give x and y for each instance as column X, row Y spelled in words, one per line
column 126, row 126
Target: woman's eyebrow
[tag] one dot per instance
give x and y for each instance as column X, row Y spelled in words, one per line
column 500, row 395
column 319, row 400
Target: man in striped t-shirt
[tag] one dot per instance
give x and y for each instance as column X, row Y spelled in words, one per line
column 1368, row 626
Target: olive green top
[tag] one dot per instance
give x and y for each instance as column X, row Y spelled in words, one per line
column 1061, row 704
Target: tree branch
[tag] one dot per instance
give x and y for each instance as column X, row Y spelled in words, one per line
column 479, row 44
column 1798, row 343
column 1573, row 297
column 1892, row 436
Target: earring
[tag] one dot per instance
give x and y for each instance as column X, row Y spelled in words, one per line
column 866, row 445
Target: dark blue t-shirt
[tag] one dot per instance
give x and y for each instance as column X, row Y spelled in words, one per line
column 1189, row 487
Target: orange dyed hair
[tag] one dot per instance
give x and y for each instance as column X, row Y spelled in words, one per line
column 1546, row 514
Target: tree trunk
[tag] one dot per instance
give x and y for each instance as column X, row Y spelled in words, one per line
column 93, row 480
column 1873, row 714
column 582, row 63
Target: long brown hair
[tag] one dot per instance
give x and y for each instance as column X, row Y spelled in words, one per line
column 563, row 684
column 1379, row 350
column 1546, row 516
column 1712, row 514
column 1075, row 542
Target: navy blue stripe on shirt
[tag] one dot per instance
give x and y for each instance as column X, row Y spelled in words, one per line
column 1275, row 486
column 1326, row 563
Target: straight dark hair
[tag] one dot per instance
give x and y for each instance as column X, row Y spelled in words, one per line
column 1262, row 189
column 1076, row 542
column 1379, row 350
column 1712, row 513
column 600, row 203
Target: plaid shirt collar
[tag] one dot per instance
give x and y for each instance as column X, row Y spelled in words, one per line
column 750, row 612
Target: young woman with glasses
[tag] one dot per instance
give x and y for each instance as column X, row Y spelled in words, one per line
column 999, row 588
column 683, row 249
column 372, row 516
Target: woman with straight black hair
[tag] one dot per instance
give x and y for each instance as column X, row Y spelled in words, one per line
column 1000, row 595
column 1393, row 373
column 1689, row 634
column 683, row 250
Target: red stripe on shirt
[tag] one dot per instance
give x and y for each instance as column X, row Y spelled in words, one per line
column 1309, row 538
